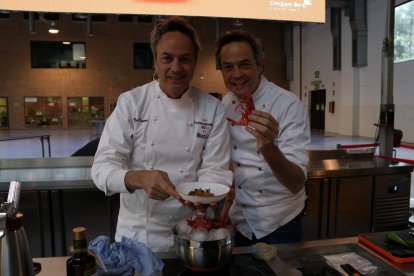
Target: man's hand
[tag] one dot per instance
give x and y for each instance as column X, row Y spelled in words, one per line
column 264, row 127
column 155, row 183
column 200, row 207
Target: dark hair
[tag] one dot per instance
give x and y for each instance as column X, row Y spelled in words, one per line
column 240, row 36
column 174, row 24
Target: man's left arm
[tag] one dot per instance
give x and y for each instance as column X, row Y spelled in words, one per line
column 283, row 145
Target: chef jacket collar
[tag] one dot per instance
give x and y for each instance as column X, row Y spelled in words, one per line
column 260, row 91
column 185, row 97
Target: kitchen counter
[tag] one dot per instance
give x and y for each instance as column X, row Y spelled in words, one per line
column 280, row 264
column 57, row 265
column 344, row 163
column 75, row 172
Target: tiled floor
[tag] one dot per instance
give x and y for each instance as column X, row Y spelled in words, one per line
column 65, row 142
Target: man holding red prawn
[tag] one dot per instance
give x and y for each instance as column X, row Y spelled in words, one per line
column 268, row 143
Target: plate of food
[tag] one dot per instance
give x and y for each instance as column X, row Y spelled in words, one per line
column 202, row 192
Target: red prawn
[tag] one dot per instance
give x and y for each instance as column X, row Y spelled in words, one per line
column 204, row 222
column 245, row 112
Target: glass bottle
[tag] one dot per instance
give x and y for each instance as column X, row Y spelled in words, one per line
column 81, row 263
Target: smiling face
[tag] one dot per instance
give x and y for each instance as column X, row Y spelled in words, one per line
column 175, row 63
column 241, row 73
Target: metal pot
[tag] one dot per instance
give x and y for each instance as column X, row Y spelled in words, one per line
column 203, row 256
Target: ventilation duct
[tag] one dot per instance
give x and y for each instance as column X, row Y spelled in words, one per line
column 358, row 22
column 336, row 37
column 89, row 29
column 32, row 27
column 288, row 50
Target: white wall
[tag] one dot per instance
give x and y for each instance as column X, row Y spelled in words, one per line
column 356, row 91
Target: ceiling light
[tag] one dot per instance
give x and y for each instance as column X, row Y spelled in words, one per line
column 53, row 29
column 237, row 23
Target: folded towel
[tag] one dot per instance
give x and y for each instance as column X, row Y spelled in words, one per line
column 125, row 258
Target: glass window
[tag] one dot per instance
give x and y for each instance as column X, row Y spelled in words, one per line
column 4, row 117
column 43, row 112
column 82, row 111
column 404, row 32
column 58, row 54
column 143, row 56
column 84, row 17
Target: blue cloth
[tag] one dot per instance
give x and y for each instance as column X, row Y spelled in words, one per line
column 125, row 257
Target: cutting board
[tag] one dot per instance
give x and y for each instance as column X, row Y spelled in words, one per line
column 390, row 249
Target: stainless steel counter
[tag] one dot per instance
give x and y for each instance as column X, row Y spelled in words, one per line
column 47, row 173
column 340, row 163
column 69, row 172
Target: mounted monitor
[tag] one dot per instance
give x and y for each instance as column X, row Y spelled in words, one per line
column 290, row 10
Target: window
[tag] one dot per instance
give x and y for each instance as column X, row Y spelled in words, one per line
column 84, row 17
column 82, row 111
column 55, row 54
column 4, row 15
column 404, row 32
column 4, row 117
column 43, row 112
column 143, row 56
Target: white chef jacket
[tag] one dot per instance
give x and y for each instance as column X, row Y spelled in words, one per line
column 188, row 138
column 262, row 204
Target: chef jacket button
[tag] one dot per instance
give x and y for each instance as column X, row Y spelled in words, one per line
column 151, row 168
column 158, row 96
column 238, row 165
column 239, row 187
column 190, row 123
column 233, row 102
column 259, row 168
column 155, row 119
column 181, row 171
column 235, row 147
column 187, row 149
column 260, row 191
column 152, row 144
column 243, row 205
column 258, row 152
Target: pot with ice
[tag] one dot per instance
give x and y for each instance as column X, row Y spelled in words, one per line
column 202, row 245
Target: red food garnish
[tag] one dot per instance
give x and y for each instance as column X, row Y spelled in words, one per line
column 205, row 222
column 246, row 110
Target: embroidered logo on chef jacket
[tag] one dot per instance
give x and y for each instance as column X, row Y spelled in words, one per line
column 204, row 128
column 140, row 120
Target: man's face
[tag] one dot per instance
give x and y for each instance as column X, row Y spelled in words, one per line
column 241, row 73
column 175, row 63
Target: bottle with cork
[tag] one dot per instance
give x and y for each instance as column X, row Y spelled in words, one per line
column 81, row 263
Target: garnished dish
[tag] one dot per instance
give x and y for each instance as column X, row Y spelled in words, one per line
column 202, row 192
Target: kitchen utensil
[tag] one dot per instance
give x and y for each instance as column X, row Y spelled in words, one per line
column 203, row 256
column 15, row 257
column 395, row 238
column 218, row 190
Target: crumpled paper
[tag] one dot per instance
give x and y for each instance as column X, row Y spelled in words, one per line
column 125, row 258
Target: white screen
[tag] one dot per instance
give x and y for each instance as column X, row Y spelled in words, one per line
column 291, row 10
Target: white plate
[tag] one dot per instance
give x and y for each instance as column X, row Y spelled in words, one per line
column 218, row 190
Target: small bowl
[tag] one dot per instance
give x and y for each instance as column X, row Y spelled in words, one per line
column 218, row 190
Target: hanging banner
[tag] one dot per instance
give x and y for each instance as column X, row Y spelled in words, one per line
column 291, row 10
